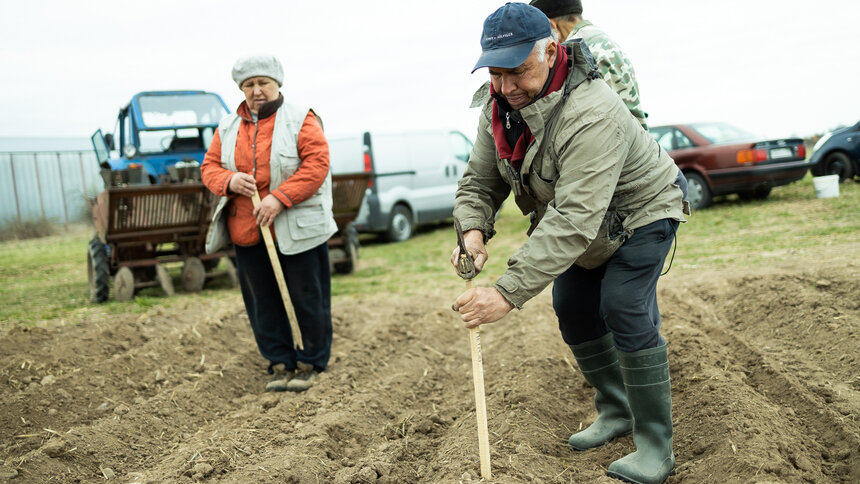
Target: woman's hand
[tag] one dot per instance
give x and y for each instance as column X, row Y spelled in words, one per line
column 481, row 305
column 267, row 210
column 242, row 184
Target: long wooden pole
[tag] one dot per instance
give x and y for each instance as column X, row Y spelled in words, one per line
column 282, row 284
column 480, row 400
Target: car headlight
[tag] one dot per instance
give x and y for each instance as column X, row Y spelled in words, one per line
column 820, row 142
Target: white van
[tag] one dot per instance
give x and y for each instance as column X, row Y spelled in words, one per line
column 414, row 177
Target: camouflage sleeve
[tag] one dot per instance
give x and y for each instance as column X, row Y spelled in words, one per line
column 616, row 69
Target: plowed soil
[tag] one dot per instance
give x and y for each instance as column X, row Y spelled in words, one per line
column 764, row 365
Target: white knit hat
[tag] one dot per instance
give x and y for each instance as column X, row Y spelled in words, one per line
column 258, row 65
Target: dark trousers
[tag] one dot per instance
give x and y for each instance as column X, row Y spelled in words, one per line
column 309, row 282
column 619, row 296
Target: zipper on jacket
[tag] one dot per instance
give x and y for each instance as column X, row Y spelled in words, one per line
column 254, row 152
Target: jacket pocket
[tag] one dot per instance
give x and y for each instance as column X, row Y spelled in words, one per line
column 610, row 236
column 307, row 222
column 542, row 179
column 287, row 164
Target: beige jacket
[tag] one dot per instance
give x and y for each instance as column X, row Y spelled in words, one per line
column 589, row 155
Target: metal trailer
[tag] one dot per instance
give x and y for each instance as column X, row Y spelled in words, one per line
column 347, row 193
column 141, row 228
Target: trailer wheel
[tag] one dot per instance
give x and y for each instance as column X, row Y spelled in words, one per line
column 211, row 264
column 231, row 271
column 98, row 271
column 193, row 274
column 164, row 279
column 123, row 284
column 348, row 266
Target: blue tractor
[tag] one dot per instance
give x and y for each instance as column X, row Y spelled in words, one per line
column 157, row 131
column 154, row 209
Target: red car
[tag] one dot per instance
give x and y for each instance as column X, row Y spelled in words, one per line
column 719, row 159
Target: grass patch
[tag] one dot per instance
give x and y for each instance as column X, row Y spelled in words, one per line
column 46, row 279
column 26, row 229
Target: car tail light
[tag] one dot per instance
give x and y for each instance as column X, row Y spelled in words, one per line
column 752, row 156
column 368, row 168
column 801, row 151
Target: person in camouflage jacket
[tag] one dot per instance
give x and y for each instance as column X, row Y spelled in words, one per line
column 565, row 16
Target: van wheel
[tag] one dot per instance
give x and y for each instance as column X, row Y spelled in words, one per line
column 400, row 225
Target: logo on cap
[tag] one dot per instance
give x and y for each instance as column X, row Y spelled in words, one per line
column 510, row 34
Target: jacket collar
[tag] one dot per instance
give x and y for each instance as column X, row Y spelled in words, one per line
column 582, row 24
column 264, row 112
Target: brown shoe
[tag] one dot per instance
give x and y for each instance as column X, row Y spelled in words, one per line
column 304, row 378
column 280, row 378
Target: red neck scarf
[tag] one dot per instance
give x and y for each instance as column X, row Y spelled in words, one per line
column 558, row 75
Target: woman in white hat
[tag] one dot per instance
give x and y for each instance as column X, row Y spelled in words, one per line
column 279, row 150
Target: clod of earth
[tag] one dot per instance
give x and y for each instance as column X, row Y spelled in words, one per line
column 55, row 447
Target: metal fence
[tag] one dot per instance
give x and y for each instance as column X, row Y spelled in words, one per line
column 49, row 185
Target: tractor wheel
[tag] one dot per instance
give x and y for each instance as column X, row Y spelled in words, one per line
column 193, row 274
column 164, row 280
column 98, row 271
column 123, row 284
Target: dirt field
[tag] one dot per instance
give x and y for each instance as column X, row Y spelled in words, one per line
column 764, row 366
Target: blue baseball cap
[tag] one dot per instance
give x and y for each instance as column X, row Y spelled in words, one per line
column 510, row 34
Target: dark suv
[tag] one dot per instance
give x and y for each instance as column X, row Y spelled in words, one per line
column 838, row 153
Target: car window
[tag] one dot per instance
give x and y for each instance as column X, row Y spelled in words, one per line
column 682, row 141
column 460, row 146
column 722, row 133
column 663, row 137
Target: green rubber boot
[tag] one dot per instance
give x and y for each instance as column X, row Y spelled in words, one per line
column 646, row 377
column 598, row 361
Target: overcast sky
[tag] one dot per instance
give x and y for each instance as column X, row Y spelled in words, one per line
column 777, row 68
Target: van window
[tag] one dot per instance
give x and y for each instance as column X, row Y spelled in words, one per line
column 461, row 147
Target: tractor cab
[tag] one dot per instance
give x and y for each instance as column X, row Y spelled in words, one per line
column 160, row 137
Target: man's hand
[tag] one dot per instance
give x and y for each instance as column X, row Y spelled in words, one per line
column 267, row 210
column 242, row 184
column 474, row 240
column 482, row 305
